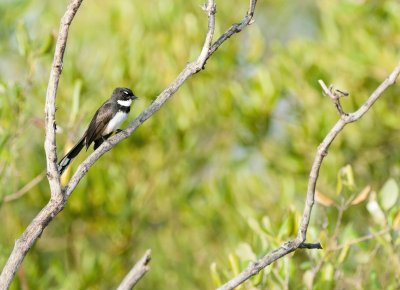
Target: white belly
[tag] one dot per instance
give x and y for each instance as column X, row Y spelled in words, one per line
column 115, row 122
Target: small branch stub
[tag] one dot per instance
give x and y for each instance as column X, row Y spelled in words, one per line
column 136, row 273
column 335, row 94
column 311, row 246
column 209, row 7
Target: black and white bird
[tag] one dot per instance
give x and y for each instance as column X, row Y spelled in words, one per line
column 105, row 121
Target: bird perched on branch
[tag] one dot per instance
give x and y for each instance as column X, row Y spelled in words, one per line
column 105, row 121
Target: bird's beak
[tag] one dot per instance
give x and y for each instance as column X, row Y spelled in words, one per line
column 134, row 97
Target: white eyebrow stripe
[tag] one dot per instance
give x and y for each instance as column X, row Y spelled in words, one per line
column 123, row 103
column 126, row 93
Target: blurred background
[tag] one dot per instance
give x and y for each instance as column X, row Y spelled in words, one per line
column 218, row 176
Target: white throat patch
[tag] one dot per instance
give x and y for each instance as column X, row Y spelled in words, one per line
column 126, row 103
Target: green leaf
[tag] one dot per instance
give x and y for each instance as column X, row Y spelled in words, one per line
column 376, row 212
column 245, row 252
column 266, row 225
column 289, row 225
column 348, row 171
column 339, row 184
column 76, row 100
column 257, row 279
column 389, row 194
column 47, row 44
column 234, row 262
column 255, row 226
column 23, row 40
column 328, row 272
column 308, row 278
column 343, row 255
column 215, row 275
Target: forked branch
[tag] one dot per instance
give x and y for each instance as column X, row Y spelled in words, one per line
column 322, row 151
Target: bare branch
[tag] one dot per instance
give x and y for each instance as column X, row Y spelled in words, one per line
column 210, row 8
column 235, row 28
column 59, row 197
column 323, row 148
column 136, row 273
column 56, row 204
column 50, row 106
column 25, row 189
column 322, row 151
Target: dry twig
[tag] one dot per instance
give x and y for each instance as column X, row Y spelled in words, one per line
column 136, row 273
column 25, row 189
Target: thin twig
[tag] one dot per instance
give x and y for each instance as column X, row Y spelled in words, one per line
column 210, row 8
column 25, row 189
column 136, row 273
column 323, row 148
column 322, row 151
column 235, row 28
column 361, row 239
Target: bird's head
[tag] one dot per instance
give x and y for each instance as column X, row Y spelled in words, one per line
column 124, row 96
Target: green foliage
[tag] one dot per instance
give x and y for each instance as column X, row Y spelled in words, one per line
column 351, row 252
column 219, row 175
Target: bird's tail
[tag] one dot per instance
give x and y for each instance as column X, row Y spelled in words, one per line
column 66, row 160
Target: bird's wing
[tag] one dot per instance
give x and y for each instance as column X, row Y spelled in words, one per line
column 99, row 122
